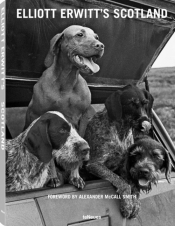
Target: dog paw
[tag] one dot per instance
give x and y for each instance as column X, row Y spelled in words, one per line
column 77, row 182
column 54, row 183
column 130, row 207
column 126, row 207
column 136, row 208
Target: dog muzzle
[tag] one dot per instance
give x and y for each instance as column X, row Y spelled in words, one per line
column 145, row 126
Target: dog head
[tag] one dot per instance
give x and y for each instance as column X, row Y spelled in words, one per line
column 48, row 134
column 132, row 105
column 73, row 153
column 80, row 44
column 146, row 160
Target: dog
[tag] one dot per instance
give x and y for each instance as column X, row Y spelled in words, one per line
column 141, row 167
column 28, row 156
column 145, row 160
column 111, row 131
column 61, row 87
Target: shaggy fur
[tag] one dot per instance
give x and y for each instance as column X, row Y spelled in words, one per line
column 127, row 113
column 141, row 167
column 29, row 155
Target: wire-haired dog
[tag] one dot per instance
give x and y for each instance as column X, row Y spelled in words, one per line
column 29, row 155
column 141, row 167
column 111, row 131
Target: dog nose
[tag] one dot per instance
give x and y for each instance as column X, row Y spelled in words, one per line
column 144, row 171
column 85, row 149
column 99, row 46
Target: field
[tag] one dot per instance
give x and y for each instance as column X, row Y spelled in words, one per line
column 162, row 87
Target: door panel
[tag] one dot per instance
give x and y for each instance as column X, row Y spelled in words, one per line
column 23, row 213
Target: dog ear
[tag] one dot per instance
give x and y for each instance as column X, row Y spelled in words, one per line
column 128, row 160
column 113, row 106
column 150, row 99
column 38, row 142
column 55, row 41
column 167, row 166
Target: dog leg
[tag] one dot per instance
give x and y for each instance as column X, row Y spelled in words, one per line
column 85, row 119
column 135, row 201
column 54, row 180
column 136, row 207
column 75, row 179
column 100, row 170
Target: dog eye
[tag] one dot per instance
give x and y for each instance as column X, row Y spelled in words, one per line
column 145, row 102
column 134, row 104
column 96, row 37
column 158, row 156
column 134, row 153
column 80, row 34
column 63, row 130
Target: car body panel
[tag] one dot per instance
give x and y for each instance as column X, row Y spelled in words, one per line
column 67, row 211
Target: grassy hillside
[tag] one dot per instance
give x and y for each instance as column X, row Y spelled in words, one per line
column 162, row 87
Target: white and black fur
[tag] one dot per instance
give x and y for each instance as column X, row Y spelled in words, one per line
column 28, row 156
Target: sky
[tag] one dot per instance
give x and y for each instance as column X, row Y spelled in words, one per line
column 167, row 56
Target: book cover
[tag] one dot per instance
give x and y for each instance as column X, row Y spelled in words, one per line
column 134, row 34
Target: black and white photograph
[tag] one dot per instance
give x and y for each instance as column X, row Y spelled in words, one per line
column 88, row 113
